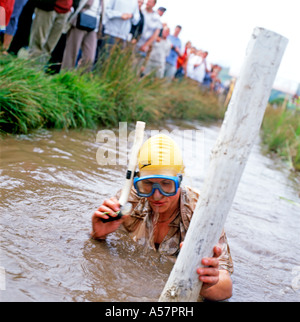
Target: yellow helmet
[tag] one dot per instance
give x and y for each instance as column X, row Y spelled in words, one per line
column 160, row 154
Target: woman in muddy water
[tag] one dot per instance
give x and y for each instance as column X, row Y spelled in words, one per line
column 161, row 213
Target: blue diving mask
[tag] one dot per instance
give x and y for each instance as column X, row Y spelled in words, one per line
column 167, row 185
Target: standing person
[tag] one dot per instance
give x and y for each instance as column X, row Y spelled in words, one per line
column 118, row 18
column 171, row 61
column 216, row 84
column 55, row 61
column 21, row 37
column 13, row 24
column 47, row 27
column 182, row 61
column 157, row 58
column 81, row 38
column 162, row 209
column 200, row 66
column 161, row 11
column 191, row 62
column 152, row 27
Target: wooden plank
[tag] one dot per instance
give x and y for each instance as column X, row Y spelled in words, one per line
column 228, row 159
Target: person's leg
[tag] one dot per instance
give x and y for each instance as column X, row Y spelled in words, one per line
column 73, row 44
column 89, row 46
column 109, row 42
column 41, row 27
column 55, row 32
column 54, row 63
column 169, row 71
column 7, row 39
column 21, row 38
column 150, row 67
column 160, row 71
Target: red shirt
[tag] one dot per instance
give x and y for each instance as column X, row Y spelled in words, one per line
column 63, row 6
column 181, row 59
column 8, row 5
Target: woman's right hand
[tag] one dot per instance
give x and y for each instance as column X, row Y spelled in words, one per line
column 109, row 208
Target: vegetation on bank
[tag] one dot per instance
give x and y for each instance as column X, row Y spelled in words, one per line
column 281, row 133
column 31, row 99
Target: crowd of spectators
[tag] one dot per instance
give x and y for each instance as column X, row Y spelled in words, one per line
column 73, row 33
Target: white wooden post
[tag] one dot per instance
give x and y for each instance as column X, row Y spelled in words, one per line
column 228, row 159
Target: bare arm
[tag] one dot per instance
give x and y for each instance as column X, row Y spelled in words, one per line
column 150, row 41
column 109, row 208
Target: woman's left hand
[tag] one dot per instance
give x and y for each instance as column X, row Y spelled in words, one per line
column 209, row 274
column 217, row 284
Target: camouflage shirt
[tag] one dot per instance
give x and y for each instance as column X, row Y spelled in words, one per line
column 141, row 224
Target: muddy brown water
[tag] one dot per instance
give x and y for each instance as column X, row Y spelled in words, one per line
column 51, row 184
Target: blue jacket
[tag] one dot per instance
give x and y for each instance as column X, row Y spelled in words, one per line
column 172, row 58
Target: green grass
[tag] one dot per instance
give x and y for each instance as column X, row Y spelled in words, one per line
column 31, row 99
column 281, row 133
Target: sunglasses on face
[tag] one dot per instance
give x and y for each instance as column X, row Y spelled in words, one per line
column 167, row 185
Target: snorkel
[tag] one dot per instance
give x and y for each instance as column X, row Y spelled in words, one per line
column 133, row 161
